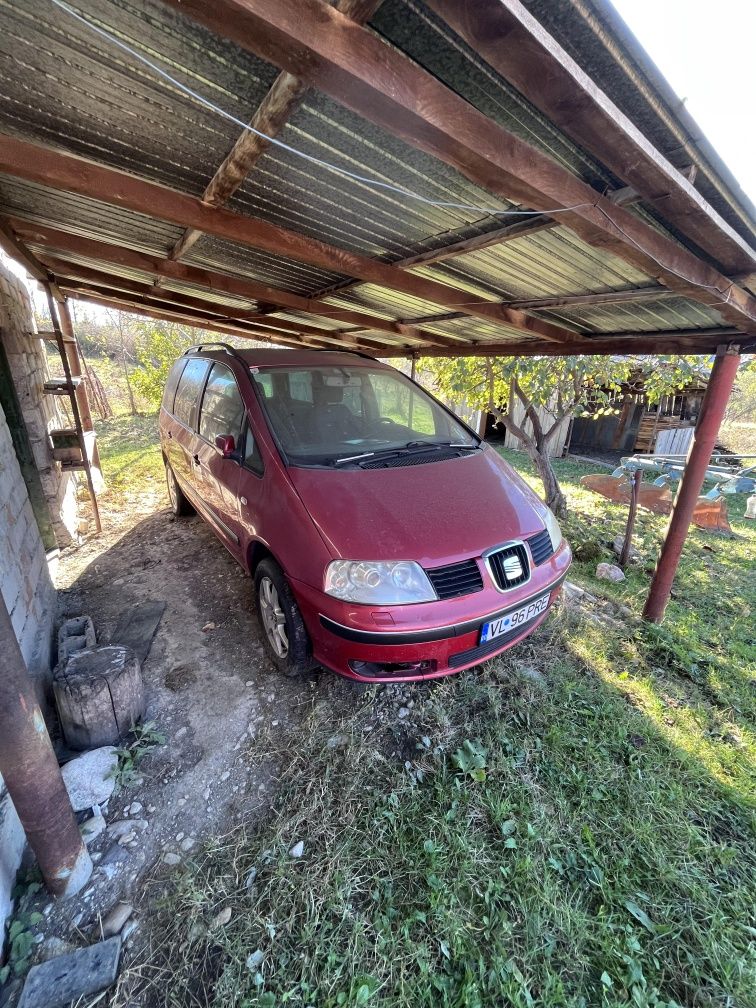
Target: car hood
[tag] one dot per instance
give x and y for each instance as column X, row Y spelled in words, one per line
column 435, row 513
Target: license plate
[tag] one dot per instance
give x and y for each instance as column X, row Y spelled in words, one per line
column 505, row 624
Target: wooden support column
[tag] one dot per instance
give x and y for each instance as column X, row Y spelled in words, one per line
column 712, row 411
column 77, row 371
column 31, row 774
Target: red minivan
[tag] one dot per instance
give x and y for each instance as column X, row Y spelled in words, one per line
column 387, row 542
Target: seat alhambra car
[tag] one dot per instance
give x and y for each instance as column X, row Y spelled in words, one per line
column 387, row 542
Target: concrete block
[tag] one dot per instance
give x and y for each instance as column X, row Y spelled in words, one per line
column 75, row 635
column 61, row 981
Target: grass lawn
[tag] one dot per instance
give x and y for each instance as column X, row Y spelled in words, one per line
column 570, row 825
column 130, row 452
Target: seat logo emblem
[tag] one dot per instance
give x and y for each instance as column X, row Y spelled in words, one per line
column 512, row 568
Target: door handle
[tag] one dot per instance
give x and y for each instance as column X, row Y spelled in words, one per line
column 170, row 434
column 196, row 459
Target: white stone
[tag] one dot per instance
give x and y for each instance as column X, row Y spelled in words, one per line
column 114, row 921
column 297, row 850
column 609, row 572
column 171, row 859
column 92, row 827
column 90, row 778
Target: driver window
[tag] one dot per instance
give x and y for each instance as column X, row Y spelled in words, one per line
column 222, row 410
column 399, row 402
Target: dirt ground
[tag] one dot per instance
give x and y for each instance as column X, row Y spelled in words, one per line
column 210, row 691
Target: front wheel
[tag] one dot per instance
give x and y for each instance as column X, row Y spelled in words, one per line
column 284, row 633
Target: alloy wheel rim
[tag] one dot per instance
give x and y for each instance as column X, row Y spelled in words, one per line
column 274, row 620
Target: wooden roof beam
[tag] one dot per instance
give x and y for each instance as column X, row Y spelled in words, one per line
column 703, row 341
column 60, row 170
column 66, row 271
column 160, row 309
column 13, row 247
column 518, row 47
column 361, row 71
column 222, row 283
column 598, row 298
column 276, row 109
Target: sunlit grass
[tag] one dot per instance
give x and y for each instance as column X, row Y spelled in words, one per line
column 572, row 825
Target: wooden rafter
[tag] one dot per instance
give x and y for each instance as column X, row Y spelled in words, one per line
column 59, row 170
column 358, row 69
column 222, row 283
column 158, row 309
column 16, row 249
column 516, row 45
column 65, row 272
column 276, row 109
column 593, row 298
column 702, row 341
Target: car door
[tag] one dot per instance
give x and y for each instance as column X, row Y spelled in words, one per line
column 180, row 427
column 222, row 414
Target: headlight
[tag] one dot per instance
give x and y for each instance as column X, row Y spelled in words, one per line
column 552, row 527
column 373, row 583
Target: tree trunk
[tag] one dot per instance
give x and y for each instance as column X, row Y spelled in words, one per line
column 552, row 491
column 129, row 389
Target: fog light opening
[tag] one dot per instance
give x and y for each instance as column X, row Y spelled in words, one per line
column 388, row 670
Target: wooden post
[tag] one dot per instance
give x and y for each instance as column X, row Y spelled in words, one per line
column 713, row 408
column 31, row 774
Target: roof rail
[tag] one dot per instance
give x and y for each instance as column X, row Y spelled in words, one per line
column 215, row 345
column 227, row 348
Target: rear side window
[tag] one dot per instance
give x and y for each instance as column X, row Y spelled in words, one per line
column 170, row 386
column 222, row 407
column 188, row 390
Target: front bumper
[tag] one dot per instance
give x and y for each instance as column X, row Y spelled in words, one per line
column 431, row 640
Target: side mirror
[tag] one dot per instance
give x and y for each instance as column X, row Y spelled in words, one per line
column 226, row 445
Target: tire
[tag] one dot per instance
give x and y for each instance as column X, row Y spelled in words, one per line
column 178, row 501
column 283, row 631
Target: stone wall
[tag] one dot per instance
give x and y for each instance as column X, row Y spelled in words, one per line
column 27, row 360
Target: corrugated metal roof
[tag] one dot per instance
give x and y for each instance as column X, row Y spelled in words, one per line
column 65, row 87
column 593, row 33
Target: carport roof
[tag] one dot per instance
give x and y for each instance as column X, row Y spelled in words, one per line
column 115, row 183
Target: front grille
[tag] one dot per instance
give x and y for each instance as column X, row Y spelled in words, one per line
column 484, row 650
column 418, row 458
column 509, row 566
column 456, row 579
column 540, row 547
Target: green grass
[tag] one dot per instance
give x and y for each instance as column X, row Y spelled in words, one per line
column 570, row 825
column 130, row 452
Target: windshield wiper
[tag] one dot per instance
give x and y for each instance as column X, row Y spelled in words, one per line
column 352, row 458
column 416, row 447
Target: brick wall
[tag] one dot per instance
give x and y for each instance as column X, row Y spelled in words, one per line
column 27, row 360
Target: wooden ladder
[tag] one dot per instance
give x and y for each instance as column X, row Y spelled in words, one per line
column 68, row 387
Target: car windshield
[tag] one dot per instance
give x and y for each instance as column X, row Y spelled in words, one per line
column 348, row 416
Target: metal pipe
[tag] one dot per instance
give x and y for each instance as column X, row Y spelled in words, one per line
column 32, row 776
column 633, row 510
column 713, row 408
